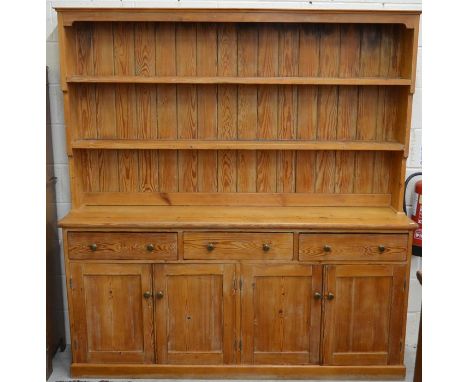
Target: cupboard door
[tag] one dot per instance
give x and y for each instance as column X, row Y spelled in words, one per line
column 364, row 321
column 281, row 314
column 195, row 313
column 112, row 313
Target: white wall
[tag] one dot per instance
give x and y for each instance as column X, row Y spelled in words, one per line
column 57, row 119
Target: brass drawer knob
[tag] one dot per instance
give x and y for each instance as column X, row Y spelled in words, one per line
column 210, row 247
column 160, row 294
column 381, row 248
column 266, row 247
column 93, row 247
column 318, row 295
column 147, row 294
column 150, row 247
column 330, row 296
column 326, row 248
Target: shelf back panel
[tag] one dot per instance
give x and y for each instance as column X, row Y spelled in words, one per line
column 240, row 49
column 239, row 112
column 231, row 171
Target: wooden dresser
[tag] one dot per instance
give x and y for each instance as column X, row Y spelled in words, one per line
column 237, row 182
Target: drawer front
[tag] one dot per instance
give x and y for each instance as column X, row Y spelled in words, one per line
column 379, row 247
column 238, row 246
column 122, row 246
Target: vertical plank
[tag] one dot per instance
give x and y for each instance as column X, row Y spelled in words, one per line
column 382, row 169
column 86, row 94
column 309, row 49
column 387, row 115
column 207, row 111
column 329, row 50
column 188, row 170
column 145, row 49
column 128, row 171
column 148, row 170
column 325, row 172
column 305, row 171
column 367, row 107
column 108, row 169
column 103, row 52
column 89, row 171
column 227, row 107
column 366, row 130
column 84, row 49
column 166, row 105
column 326, row 130
column 186, row 53
column 346, row 130
column 124, row 38
column 227, row 171
column 125, row 110
column 86, row 111
column 350, row 43
column 287, row 104
column 145, row 94
column 327, row 109
column 266, row 171
column 288, row 50
column 370, row 50
column 125, row 105
column 247, row 107
column 268, row 46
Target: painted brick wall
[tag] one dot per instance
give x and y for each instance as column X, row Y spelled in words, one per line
column 58, row 129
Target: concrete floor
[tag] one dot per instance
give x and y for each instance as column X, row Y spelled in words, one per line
column 61, row 365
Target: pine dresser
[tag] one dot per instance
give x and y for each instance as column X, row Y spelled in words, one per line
column 237, row 186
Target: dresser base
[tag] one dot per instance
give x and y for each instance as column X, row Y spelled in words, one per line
column 237, row 371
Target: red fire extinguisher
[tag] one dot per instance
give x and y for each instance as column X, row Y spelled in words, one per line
column 416, row 214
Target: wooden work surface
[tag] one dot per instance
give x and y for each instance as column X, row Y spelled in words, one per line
column 237, row 217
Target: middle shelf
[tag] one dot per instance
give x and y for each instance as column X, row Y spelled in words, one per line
column 278, row 80
column 136, row 144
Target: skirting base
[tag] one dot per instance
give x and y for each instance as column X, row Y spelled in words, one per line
column 237, row 371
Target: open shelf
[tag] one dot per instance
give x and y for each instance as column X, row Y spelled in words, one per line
column 114, row 144
column 376, row 81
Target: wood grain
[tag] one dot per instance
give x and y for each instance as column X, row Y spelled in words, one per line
column 237, row 246
column 353, row 247
column 121, row 246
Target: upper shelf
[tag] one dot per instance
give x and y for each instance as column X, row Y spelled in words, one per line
column 135, row 144
column 238, row 80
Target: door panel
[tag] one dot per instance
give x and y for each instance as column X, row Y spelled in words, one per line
column 365, row 316
column 114, row 321
column 195, row 317
column 280, row 316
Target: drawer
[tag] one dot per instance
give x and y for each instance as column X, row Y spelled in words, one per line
column 238, row 246
column 122, row 246
column 338, row 246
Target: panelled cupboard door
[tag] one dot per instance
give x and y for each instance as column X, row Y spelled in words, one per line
column 281, row 314
column 195, row 313
column 363, row 314
column 112, row 313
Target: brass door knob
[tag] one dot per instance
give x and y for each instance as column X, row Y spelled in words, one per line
column 330, row 296
column 326, row 248
column 147, row 294
column 159, row 294
column 266, row 247
column 93, row 247
column 318, row 295
column 381, row 248
column 210, row 247
column 150, row 247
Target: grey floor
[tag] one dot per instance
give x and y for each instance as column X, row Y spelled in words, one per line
column 61, row 366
